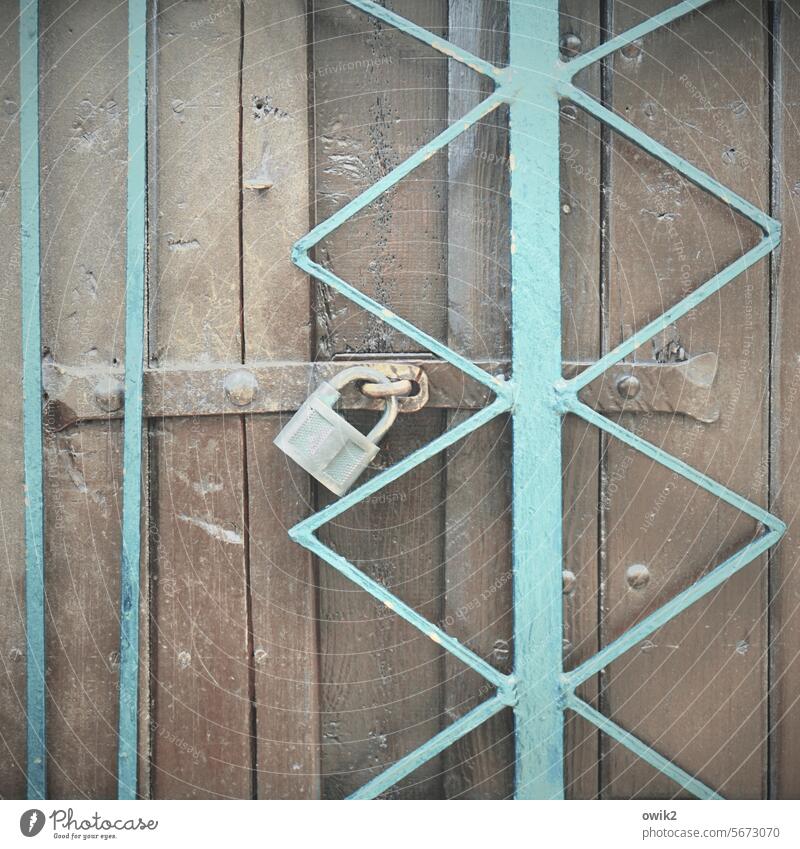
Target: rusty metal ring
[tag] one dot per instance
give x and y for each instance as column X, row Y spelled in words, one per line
column 395, row 389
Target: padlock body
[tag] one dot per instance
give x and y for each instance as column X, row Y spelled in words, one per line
column 327, row 446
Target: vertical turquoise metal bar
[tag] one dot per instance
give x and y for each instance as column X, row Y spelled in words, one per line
column 536, row 308
column 134, row 353
column 32, row 393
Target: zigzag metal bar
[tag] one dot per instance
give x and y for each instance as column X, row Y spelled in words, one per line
column 303, row 532
column 536, row 353
column 391, row 601
column 642, row 750
column 712, row 186
column 301, row 258
column 567, row 394
column 572, row 387
column 539, row 764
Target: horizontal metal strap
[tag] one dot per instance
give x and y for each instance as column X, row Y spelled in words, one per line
column 75, row 394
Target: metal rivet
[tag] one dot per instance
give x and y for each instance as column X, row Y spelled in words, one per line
column 109, row 394
column 566, row 209
column 628, row 386
column 637, row 575
column 257, row 183
column 567, row 581
column 570, row 45
column 632, row 50
column 241, row 387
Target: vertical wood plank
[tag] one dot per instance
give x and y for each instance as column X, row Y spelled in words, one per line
column 785, row 584
column 581, row 178
column 201, row 726
column 275, row 150
column 695, row 690
column 12, row 505
column 477, row 603
column 378, row 97
column 83, row 103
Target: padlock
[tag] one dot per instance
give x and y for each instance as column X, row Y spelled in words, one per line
column 324, row 444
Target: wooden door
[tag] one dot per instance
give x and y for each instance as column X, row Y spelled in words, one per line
column 264, row 673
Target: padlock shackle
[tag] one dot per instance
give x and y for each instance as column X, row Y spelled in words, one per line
column 348, row 375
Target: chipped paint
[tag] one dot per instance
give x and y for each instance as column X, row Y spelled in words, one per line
column 214, row 530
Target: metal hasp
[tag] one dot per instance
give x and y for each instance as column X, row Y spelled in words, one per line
column 537, row 397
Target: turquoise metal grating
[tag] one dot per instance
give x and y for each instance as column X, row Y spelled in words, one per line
column 537, row 398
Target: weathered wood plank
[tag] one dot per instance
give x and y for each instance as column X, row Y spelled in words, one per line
column 477, row 602
column 695, row 690
column 581, row 179
column 12, row 505
column 83, row 97
column 202, row 733
column 381, row 679
column 379, row 96
column 283, row 582
column 785, row 483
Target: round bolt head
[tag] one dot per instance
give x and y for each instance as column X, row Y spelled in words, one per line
column 628, row 386
column 501, row 651
column 638, row 576
column 632, row 50
column 109, row 393
column 567, row 581
column 570, row 45
column 240, row 387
